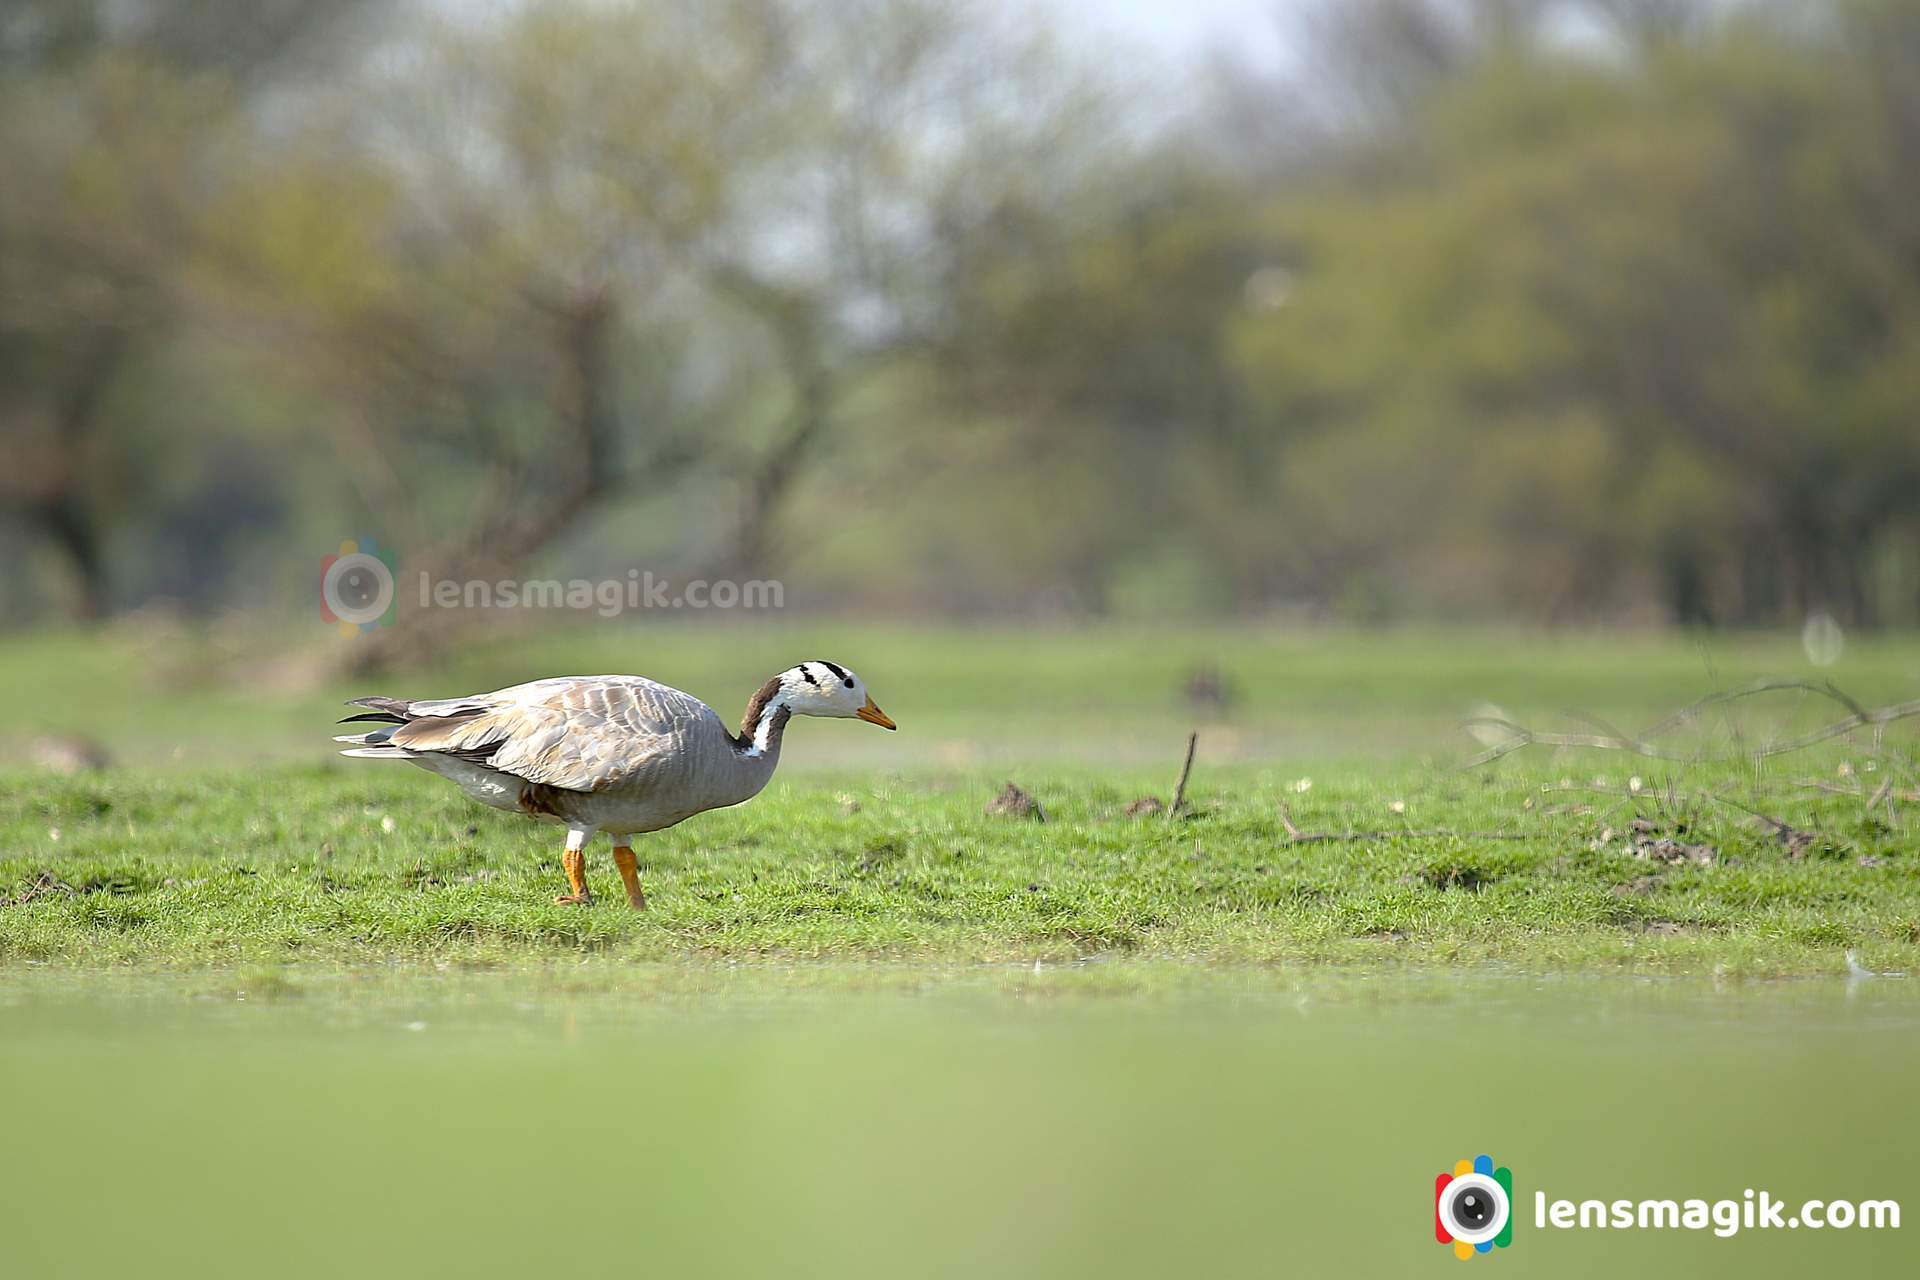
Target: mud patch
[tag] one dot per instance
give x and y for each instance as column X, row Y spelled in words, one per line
column 1012, row 802
column 47, row 884
column 1454, row 875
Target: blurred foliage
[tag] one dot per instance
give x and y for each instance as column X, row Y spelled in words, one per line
column 1573, row 310
column 1648, row 329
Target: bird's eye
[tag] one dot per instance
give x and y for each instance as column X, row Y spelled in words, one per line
column 849, row 684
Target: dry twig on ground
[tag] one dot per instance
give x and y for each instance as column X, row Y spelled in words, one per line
column 1180, row 788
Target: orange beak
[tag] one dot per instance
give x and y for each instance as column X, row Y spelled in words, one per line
column 874, row 715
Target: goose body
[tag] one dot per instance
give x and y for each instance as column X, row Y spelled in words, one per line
column 619, row 754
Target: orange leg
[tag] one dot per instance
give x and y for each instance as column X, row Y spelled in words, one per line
column 576, row 864
column 630, row 874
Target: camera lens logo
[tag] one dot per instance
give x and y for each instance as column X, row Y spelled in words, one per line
column 356, row 586
column 1473, row 1207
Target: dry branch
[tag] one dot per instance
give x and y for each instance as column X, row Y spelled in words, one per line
column 1785, row 832
column 1180, row 788
column 1882, row 792
column 1858, row 717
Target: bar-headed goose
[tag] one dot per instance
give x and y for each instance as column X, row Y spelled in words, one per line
column 620, row 754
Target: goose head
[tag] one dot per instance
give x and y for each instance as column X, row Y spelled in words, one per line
column 813, row 688
column 817, row 688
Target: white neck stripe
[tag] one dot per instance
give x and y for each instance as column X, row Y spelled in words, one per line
column 763, row 732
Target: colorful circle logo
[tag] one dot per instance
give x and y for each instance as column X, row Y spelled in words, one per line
column 357, row 586
column 1473, row 1207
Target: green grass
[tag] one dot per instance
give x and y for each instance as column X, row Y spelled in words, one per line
column 377, row 863
column 226, row 831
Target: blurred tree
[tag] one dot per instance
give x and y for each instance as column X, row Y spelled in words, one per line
column 910, row 136
column 1568, row 308
column 1098, row 336
column 119, row 123
column 1636, row 327
column 573, row 253
column 1648, row 24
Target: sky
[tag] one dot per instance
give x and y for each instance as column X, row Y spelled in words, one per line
column 1185, row 27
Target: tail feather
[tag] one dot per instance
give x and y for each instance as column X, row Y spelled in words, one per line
column 377, row 738
column 392, row 706
column 389, row 713
column 396, row 705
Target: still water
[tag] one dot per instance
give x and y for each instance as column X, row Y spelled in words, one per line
column 887, row 1122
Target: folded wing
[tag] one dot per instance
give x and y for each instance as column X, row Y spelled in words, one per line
column 576, row 733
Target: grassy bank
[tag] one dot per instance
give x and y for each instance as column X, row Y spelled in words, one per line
column 223, row 830
column 377, row 863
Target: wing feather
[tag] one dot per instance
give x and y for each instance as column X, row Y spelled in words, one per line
column 576, row 733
